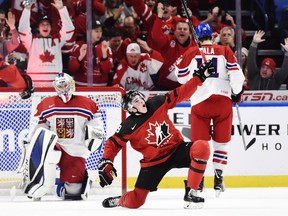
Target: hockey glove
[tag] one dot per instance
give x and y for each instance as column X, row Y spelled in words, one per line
column 93, row 138
column 29, row 87
column 106, row 171
column 205, row 70
column 237, row 98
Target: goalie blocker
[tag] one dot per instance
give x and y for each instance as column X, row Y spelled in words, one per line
column 38, row 165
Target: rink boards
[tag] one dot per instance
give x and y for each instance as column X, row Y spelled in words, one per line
column 263, row 164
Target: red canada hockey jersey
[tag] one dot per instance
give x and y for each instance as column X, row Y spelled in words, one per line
column 152, row 134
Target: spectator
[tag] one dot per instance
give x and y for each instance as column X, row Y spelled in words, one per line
column 151, row 3
column 102, row 59
column 182, row 13
column 172, row 47
column 116, row 11
column 18, row 57
column 244, row 56
column 151, row 133
column 77, row 7
column 227, row 37
column 195, row 5
column 8, row 25
column 117, row 44
column 213, row 100
column 137, row 70
column 215, row 19
column 77, row 11
column 13, row 51
column 164, row 10
column 17, row 8
column 9, row 44
column 267, row 78
column 3, row 26
column 118, row 47
column 45, row 58
column 131, row 28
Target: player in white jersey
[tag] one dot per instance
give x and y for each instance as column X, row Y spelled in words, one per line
column 212, row 101
column 77, row 124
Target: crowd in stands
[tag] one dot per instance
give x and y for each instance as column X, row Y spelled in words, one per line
column 136, row 44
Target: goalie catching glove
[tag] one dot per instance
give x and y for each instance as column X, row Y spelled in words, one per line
column 93, row 138
column 205, row 70
column 106, row 171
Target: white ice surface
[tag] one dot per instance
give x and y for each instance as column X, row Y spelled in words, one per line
column 166, row 202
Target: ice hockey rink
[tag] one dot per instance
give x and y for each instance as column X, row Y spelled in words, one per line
column 233, row 202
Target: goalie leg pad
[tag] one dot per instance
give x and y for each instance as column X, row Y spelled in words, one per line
column 40, row 163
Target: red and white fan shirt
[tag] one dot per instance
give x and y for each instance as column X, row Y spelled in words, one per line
column 138, row 77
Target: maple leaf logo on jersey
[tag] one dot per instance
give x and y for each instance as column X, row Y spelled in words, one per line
column 143, row 67
column 47, row 57
column 158, row 134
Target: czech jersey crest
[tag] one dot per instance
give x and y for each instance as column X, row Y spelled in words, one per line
column 65, row 128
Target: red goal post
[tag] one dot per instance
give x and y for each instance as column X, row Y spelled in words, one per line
column 15, row 116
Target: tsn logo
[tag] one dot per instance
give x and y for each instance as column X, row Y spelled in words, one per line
column 263, row 96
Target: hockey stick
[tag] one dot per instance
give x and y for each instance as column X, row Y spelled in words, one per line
column 184, row 3
column 241, row 127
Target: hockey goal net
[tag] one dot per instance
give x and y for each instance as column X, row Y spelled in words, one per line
column 15, row 116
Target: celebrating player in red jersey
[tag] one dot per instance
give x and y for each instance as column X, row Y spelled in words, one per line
column 152, row 133
column 212, row 102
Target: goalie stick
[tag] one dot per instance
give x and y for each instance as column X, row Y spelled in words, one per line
column 184, row 4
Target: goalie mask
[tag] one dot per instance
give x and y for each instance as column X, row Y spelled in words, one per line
column 64, row 86
column 127, row 99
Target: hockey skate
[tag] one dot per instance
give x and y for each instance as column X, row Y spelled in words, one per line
column 218, row 182
column 201, row 185
column 111, row 202
column 192, row 201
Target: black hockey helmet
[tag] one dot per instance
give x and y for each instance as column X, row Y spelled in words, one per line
column 128, row 97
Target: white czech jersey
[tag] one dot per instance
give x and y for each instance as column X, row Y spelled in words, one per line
column 228, row 75
column 68, row 121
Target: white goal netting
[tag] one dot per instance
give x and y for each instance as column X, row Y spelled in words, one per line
column 15, row 117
